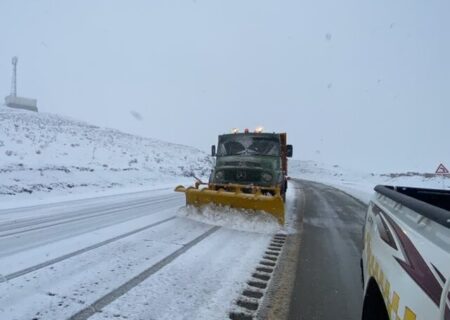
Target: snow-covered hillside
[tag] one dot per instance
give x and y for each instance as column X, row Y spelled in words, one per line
column 44, row 154
column 361, row 184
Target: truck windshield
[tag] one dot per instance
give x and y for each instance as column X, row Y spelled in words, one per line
column 248, row 145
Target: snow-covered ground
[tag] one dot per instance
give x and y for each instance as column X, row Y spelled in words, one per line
column 121, row 242
column 137, row 252
column 45, row 156
column 361, row 184
column 89, row 215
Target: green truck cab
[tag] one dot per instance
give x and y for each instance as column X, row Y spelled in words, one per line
column 251, row 160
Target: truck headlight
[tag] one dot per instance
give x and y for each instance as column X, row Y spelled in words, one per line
column 267, row 177
column 219, row 175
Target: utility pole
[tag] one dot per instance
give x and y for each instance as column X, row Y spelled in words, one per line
column 14, row 77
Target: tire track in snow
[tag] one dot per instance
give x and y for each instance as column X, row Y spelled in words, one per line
column 86, row 216
column 70, row 203
column 78, row 252
column 127, row 286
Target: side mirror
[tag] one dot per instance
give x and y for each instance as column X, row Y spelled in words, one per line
column 289, row 150
column 213, row 150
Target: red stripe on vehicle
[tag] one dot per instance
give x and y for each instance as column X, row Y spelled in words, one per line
column 415, row 265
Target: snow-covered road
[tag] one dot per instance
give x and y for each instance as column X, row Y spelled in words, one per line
column 129, row 256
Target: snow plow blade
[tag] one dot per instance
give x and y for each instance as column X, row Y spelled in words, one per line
column 234, row 197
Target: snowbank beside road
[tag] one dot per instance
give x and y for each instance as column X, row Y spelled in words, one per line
column 45, row 156
column 360, row 184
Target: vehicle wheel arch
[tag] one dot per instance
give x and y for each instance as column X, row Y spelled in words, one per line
column 374, row 307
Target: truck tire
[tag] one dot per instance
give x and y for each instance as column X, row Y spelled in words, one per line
column 283, row 189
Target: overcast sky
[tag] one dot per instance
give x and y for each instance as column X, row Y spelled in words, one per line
column 364, row 84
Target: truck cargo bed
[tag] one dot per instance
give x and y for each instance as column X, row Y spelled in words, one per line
column 430, row 203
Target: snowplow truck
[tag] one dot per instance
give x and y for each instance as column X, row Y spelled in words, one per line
column 250, row 172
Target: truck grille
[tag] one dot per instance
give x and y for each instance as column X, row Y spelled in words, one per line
column 242, row 176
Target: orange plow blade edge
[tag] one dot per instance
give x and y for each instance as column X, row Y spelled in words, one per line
column 272, row 204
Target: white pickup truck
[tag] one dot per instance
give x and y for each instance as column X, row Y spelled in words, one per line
column 406, row 256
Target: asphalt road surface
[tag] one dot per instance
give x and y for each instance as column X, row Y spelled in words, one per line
column 320, row 278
